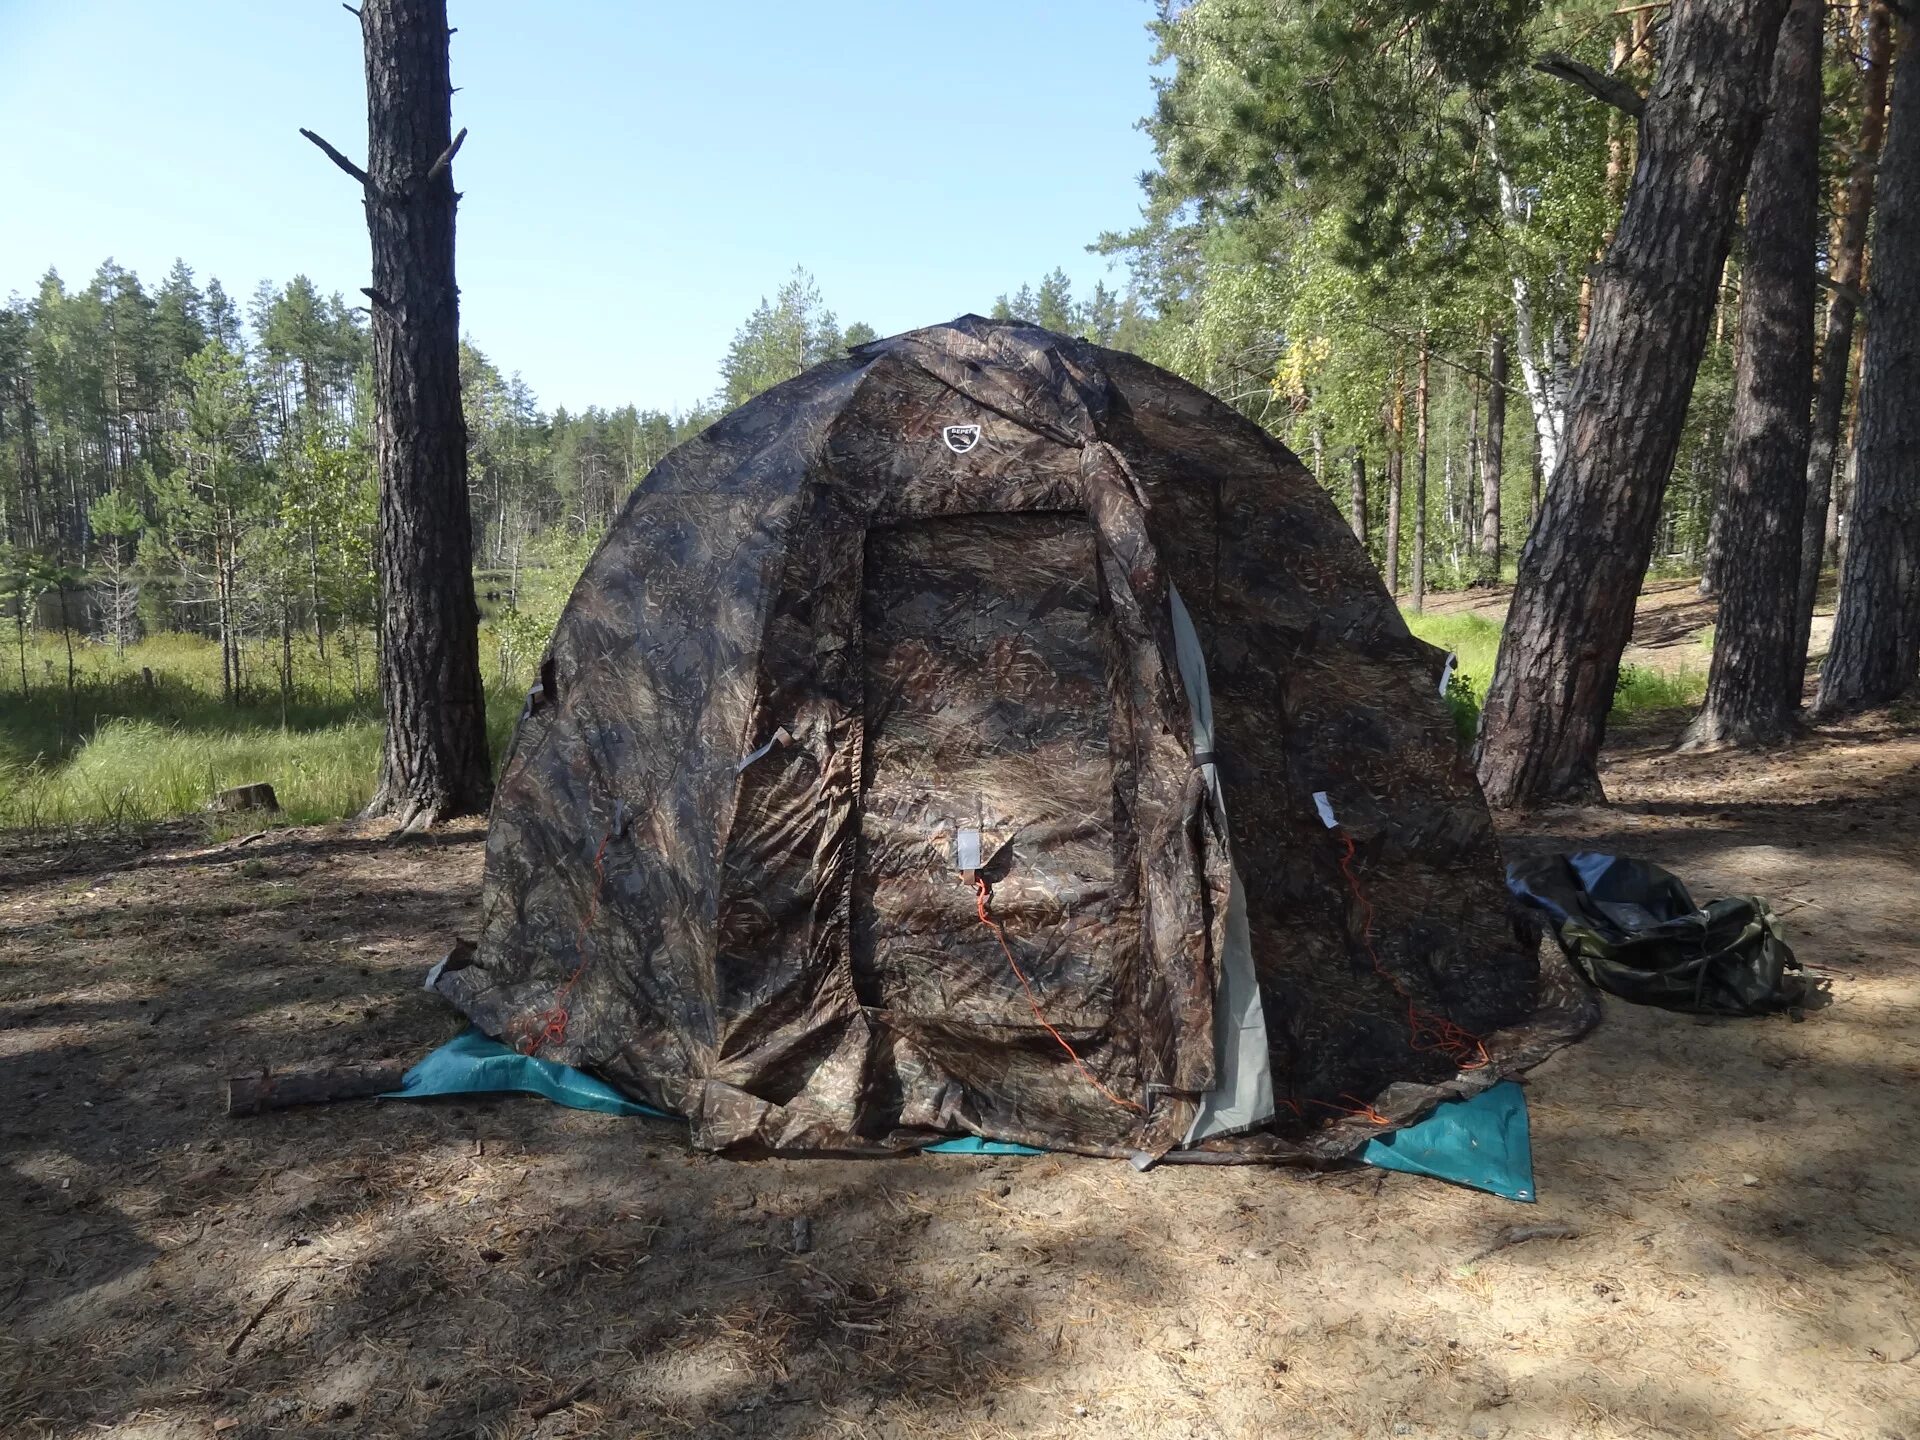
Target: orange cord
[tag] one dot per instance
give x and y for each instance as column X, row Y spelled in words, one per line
column 1425, row 1032
column 981, row 896
column 553, row 1023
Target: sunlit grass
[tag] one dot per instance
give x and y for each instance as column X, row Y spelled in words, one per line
column 146, row 736
column 1641, row 692
column 136, row 771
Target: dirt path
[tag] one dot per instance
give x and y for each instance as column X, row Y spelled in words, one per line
column 1744, row 1264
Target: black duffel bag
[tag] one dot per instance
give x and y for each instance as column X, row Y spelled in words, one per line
column 1634, row 931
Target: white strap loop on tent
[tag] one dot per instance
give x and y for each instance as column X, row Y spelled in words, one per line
column 966, row 851
column 779, row 737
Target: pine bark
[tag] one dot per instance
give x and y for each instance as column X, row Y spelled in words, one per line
column 434, row 761
column 1396, row 469
column 1709, row 585
column 1421, row 393
column 1357, row 499
column 1846, row 270
column 1473, row 479
column 1753, row 685
column 1653, row 301
column 1876, row 631
column 1493, row 458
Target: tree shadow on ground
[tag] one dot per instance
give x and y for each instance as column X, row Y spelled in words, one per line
column 499, row 1267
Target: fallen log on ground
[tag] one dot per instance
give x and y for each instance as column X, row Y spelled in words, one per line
column 277, row 1090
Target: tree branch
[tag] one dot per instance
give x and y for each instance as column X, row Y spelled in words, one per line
column 446, row 156
column 334, row 155
column 1608, row 89
column 349, row 9
column 379, row 300
column 1853, row 293
column 1441, row 357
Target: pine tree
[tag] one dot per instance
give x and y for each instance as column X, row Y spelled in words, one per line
column 1653, row 302
column 1845, row 270
column 434, row 762
column 117, row 522
column 1876, row 630
column 1753, row 687
column 1053, row 306
column 781, row 338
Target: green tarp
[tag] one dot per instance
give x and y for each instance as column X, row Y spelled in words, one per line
column 1481, row 1141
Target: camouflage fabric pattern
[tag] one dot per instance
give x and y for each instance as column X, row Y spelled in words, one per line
column 903, row 636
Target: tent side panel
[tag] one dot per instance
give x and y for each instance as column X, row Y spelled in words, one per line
column 1318, row 687
column 603, row 866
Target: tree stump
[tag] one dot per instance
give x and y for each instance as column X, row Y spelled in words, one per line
column 258, row 796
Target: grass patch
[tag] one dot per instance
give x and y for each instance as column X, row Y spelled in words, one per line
column 1475, row 643
column 1641, row 692
column 146, row 736
column 131, row 772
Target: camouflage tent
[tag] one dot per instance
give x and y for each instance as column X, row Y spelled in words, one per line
column 991, row 733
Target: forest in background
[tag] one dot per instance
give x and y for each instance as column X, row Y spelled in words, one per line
column 1376, row 240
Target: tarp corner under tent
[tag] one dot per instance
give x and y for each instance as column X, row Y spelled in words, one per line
column 1480, row 1141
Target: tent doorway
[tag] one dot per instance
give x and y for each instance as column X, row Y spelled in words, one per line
column 989, row 707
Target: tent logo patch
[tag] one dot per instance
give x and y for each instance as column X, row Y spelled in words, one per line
column 961, row 438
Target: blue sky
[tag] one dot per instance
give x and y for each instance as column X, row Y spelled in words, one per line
column 637, row 175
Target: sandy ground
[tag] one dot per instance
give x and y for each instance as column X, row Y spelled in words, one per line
column 1742, row 1192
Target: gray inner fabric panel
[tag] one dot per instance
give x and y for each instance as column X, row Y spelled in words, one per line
column 1244, row 1096
column 1193, row 671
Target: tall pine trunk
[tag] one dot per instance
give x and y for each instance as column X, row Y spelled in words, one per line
column 1421, row 394
column 1846, row 271
column 1396, row 470
column 223, row 607
column 1493, row 459
column 1356, row 499
column 1753, row 686
column 286, row 659
column 1876, row 631
column 1653, row 299
column 1473, row 490
column 433, row 764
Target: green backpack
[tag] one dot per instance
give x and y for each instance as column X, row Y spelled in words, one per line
column 1635, row 932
